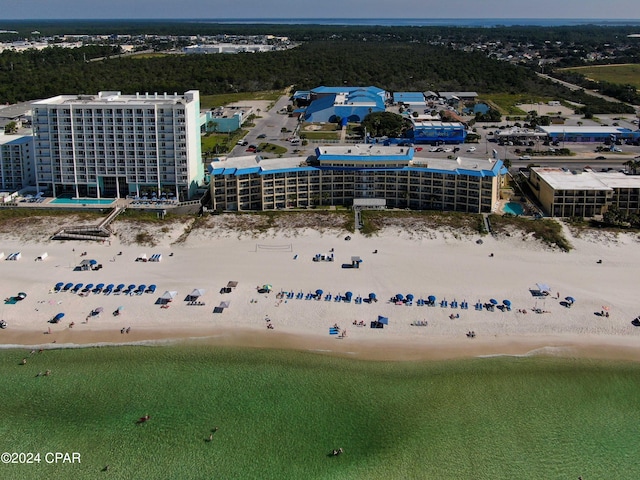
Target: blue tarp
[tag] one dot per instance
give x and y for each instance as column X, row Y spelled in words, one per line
column 383, row 320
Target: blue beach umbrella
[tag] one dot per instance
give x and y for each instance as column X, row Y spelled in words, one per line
column 507, row 302
column 493, row 301
column 59, row 285
column 319, row 292
column 410, row 296
column 59, row 317
column 431, row 298
column 348, row 294
column 93, row 262
column 89, row 286
column 399, row 296
column 570, row 299
column 131, row 287
column 372, row 296
column 68, row 286
column 120, row 286
column 383, row 320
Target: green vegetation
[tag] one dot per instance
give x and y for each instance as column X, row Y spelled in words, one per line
column 215, row 143
column 418, row 220
column 506, row 102
column 272, row 148
column 628, row 74
column 279, row 415
column 379, row 124
column 546, row 230
column 210, row 101
column 320, row 135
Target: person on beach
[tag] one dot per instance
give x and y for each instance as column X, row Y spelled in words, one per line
column 128, row 329
column 24, row 361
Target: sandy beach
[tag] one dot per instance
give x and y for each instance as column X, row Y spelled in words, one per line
column 439, row 263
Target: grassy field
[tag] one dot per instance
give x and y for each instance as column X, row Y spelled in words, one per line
column 280, row 414
column 209, row 101
column 628, row 74
column 506, row 102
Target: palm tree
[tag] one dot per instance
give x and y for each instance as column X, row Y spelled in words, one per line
column 632, row 165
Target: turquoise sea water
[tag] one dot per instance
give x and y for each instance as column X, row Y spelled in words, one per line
column 82, row 201
column 280, row 413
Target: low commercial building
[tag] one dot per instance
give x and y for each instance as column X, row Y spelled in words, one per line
column 352, row 103
column 569, row 133
column 425, row 132
column 584, row 193
column 342, row 175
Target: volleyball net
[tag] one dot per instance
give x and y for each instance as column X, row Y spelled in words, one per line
column 263, row 247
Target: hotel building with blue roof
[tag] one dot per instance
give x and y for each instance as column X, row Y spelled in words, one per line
column 337, row 175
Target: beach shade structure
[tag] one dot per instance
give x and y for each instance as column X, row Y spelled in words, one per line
column 21, row 296
column 168, row 296
column 93, row 262
column 319, row 292
column 108, row 289
column 506, row 302
column 399, row 297
column 543, row 287
column 268, row 287
column 151, row 288
column 58, row 286
column 97, row 311
column 372, row 296
column 493, row 301
column 431, row 298
column 141, row 288
column 67, row 286
column 119, row 287
column 383, row 320
column 118, row 311
column 57, row 318
column 99, row 288
column 88, row 287
column 570, row 299
column 77, row 287
column 196, row 293
column 410, row 297
column 232, row 284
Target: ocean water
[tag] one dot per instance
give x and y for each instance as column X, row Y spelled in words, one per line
column 429, row 22
column 280, row 413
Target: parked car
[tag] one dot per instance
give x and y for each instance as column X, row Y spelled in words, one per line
column 448, row 150
column 240, row 142
column 601, row 158
column 525, row 157
column 471, row 149
column 262, row 135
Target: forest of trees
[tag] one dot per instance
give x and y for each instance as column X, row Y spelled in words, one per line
column 390, row 58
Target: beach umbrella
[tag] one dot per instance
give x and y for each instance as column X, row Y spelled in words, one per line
column 58, row 317
column 68, row 286
column 151, row 289
column 97, row 311
column 267, row 286
column 399, row 296
column 570, row 299
column 120, row 308
column 93, row 262
column 131, row 287
column 410, row 296
column 348, row 295
column 507, row 302
column 120, row 286
column 493, row 301
column 59, row 285
column 319, row 292
column 22, row 296
column 169, row 295
column 78, row 286
column 372, row 296
column 89, row 286
column 197, row 292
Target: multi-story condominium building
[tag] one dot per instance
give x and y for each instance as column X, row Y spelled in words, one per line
column 17, row 168
column 339, row 175
column 114, row 145
column 584, row 193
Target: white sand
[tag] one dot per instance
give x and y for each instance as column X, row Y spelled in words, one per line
column 436, row 263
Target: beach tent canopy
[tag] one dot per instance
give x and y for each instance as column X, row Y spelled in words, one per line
column 225, row 304
column 85, row 263
column 383, row 320
column 543, row 287
column 169, row 295
column 232, row 284
column 267, row 286
column 197, row 292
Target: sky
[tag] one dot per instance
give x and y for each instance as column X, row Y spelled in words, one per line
column 221, row 9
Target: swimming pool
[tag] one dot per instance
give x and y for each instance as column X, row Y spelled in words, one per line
column 514, row 208
column 82, row 201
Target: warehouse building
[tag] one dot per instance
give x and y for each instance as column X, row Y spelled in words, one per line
column 353, row 103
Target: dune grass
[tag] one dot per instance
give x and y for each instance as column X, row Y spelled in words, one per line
column 279, row 414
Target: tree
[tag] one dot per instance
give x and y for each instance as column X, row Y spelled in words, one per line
column 380, row 124
column 11, row 127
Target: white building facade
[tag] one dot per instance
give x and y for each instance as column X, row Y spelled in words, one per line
column 113, row 145
column 17, row 167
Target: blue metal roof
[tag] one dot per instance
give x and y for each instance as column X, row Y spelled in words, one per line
column 411, row 97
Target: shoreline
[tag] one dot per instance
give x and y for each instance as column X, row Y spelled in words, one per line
column 598, row 347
